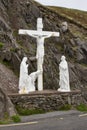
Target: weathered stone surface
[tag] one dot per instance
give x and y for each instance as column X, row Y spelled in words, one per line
column 64, row 26
column 2, row 104
column 8, row 81
column 6, row 55
column 10, row 108
column 47, row 100
column 6, row 107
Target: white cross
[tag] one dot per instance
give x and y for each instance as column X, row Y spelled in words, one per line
column 40, row 36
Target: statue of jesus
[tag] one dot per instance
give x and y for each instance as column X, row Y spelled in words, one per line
column 40, row 45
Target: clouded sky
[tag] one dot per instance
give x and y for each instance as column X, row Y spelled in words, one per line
column 76, row 4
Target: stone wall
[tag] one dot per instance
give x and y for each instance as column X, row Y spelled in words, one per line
column 47, row 100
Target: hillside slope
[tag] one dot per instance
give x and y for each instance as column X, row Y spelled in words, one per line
column 79, row 17
column 22, row 14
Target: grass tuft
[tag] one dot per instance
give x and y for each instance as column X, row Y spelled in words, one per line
column 2, row 122
column 82, row 107
column 16, row 118
column 25, row 112
column 65, row 107
column 1, row 45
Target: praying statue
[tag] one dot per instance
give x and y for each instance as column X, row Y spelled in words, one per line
column 23, row 75
column 27, row 82
column 64, row 76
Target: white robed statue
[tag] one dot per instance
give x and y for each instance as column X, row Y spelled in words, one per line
column 30, row 84
column 27, row 82
column 23, row 75
column 64, row 76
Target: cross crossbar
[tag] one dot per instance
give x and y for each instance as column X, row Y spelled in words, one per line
column 37, row 32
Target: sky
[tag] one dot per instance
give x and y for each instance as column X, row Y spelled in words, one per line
column 75, row 4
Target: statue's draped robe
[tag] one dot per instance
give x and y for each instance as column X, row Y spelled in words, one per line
column 27, row 82
column 23, row 74
column 64, row 76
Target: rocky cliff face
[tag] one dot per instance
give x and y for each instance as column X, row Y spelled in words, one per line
column 6, row 106
column 22, row 14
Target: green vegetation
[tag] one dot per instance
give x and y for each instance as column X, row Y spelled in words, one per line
column 15, row 33
column 20, row 42
column 13, row 49
column 82, row 107
column 2, row 122
column 8, row 120
column 1, row 45
column 77, row 19
column 25, row 112
column 6, row 63
column 65, row 107
column 16, row 118
column 76, row 15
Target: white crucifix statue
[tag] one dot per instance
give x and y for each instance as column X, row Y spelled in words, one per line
column 40, row 36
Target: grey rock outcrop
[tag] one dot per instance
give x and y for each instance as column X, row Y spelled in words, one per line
column 64, row 26
column 6, row 107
